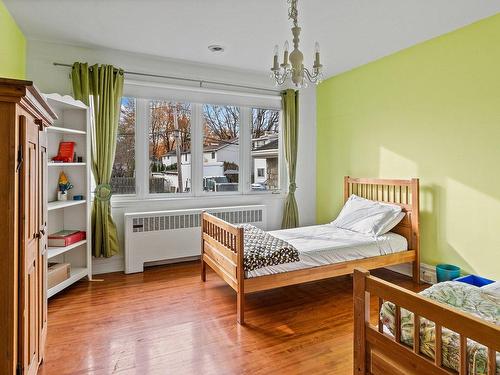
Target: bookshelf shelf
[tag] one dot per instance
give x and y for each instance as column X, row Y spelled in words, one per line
column 55, row 251
column 52, row 164
column 73, row 125
column 59, row 129
column 56, row 205
column 76, row 273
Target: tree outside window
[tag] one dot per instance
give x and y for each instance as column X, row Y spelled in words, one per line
column 123, row 173
column 169, row 140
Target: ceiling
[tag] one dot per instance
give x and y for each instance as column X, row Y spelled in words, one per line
column 351, row 32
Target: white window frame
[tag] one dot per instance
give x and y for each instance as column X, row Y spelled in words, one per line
column 245, row 139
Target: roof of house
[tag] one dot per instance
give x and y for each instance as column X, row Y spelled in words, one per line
column 207, row 148
column 273, row 145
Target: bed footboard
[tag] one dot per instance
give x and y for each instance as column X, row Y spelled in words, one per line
column 222, row 251
column 378, row 353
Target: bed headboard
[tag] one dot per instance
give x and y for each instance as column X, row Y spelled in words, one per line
column 404, row 193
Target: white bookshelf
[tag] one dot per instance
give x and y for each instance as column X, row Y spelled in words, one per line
column 73, row 125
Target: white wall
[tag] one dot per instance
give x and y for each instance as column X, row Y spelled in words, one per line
column 49, row 78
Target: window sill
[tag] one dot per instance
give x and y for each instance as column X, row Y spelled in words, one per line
column 127, row 201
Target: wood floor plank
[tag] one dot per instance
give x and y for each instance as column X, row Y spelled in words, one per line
column 166, row 321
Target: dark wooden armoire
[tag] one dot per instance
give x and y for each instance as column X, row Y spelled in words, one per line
column 24, row 117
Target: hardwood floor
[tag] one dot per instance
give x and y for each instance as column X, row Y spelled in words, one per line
column 152, row 323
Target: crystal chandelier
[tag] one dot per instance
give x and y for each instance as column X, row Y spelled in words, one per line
column 293, row 64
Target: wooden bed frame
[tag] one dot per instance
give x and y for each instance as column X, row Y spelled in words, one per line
column 222, row 243
column 377, row 353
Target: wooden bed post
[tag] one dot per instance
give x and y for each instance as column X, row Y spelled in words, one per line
column 361, row 318
column 240, row 275
column 346, row 188
column 203, row 266
column 415, row 199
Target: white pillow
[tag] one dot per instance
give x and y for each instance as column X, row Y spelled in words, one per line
column 391, row 224
column 365, row 216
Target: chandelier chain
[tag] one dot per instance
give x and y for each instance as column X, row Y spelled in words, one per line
column 293, row 13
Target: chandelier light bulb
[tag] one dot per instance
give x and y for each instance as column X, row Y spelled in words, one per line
column 316, row 47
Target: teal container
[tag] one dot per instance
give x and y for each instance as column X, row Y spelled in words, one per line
column 447, row 272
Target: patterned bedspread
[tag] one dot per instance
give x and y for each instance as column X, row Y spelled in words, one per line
column 263, row 249
column 467, row 298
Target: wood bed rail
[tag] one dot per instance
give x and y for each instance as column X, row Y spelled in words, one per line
column 378, row 353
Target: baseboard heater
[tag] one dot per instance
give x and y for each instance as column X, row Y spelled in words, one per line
column 172, row 235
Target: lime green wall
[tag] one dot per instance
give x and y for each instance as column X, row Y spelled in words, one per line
column 430, row 111
column 12, row 46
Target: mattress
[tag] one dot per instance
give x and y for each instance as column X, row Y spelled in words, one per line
column 320, row 245
column 467, row 298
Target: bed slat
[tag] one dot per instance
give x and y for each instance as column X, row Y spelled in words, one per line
column 416, row 333
column 462, row 369
column 438, row 355
column 397, row 323
column 492, row 361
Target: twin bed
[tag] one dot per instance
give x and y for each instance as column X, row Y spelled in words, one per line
column 448, row 328
column 414, row 334
column 325, row 251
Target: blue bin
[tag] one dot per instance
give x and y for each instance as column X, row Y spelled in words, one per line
column 475, row 280
column 447, row 272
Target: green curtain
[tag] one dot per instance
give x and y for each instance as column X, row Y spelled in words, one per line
column 290, row 101
column 102, row 88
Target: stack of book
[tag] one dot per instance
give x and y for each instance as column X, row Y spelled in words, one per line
column 66, row 238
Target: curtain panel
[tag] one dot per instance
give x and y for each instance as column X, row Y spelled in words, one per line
column 101, row 87
column 290, row 101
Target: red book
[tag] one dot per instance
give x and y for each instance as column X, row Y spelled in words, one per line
column 65, row 153
column 66, row 238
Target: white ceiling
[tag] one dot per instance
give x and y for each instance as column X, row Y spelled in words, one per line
column 351, row 32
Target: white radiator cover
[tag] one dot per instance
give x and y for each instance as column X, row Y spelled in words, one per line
column 168, row 235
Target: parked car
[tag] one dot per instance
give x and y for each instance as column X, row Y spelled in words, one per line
column 218, row 183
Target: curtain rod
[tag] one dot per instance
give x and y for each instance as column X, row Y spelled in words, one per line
column 201, row 82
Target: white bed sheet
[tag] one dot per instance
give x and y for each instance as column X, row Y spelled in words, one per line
column 320, row 245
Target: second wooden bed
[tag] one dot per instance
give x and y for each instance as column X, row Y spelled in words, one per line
column 222, row 243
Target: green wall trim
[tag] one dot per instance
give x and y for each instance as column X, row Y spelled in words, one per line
column 12, row 47
column 431, row 111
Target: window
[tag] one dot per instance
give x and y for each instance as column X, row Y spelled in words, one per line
column 221, row 126
column 169, row 139
column 164, row 144
column 123, row 174
column 265, row 149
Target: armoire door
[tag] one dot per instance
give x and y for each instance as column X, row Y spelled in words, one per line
column 42, row 258
column 29, row 250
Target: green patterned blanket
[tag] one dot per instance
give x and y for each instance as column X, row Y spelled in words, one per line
column 465, row 297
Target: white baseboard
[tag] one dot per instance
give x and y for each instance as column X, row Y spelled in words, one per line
column 117, row 263
column 427, row 272
column 107, row 265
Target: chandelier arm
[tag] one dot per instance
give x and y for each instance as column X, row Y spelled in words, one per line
column 312, row 77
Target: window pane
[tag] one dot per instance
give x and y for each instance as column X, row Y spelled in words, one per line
column 221, row 150
column 123, row 174
column 169, row 146
column 265, row 149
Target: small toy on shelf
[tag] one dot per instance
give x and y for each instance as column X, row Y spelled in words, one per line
column 66, row 152
column 64, row 187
